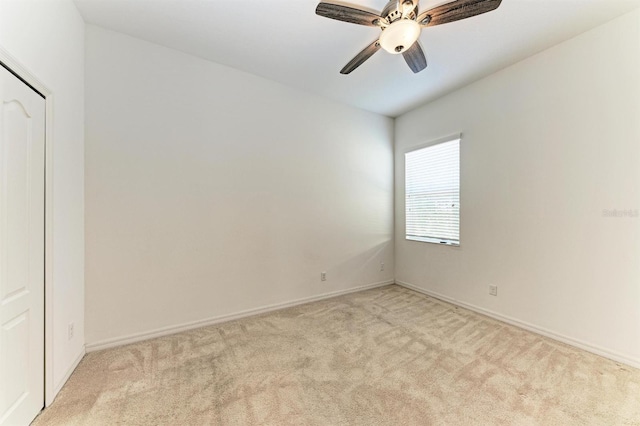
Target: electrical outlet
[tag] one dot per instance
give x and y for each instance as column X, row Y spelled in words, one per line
column 323, row 276
column 493, row 290
column 70, row 330
column 381, row 266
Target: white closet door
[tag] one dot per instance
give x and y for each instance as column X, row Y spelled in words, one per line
column 22, row 121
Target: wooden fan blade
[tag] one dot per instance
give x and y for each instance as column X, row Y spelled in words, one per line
column 365, row 54
column 415, row 57
column 348, row 14
column 456, row 10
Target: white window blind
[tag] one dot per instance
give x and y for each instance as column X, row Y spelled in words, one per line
column 432, row 193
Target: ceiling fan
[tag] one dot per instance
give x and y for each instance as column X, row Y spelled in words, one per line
column 401, row 25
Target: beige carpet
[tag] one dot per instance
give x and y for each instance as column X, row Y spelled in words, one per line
column 387, row 356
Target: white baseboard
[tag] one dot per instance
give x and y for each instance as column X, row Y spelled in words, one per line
column 613, row 355
column 70, row 370
column 165, row 331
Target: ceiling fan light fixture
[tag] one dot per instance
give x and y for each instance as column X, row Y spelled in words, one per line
column 400, row 36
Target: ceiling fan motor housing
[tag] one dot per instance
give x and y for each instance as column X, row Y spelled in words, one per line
column 391, row 12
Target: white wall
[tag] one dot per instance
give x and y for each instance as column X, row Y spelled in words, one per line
column 210, row 191
column 548, row 144
column 47, row 38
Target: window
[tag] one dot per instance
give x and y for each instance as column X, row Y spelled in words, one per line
column 432, row 192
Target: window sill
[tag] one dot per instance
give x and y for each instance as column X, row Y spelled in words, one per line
column 437, row 241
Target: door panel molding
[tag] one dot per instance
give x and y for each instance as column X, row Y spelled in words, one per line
column 30, row 79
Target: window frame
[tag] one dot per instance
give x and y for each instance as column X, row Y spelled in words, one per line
column 433, row 240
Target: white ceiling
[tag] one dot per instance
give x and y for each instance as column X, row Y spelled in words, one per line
column 285, row 41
